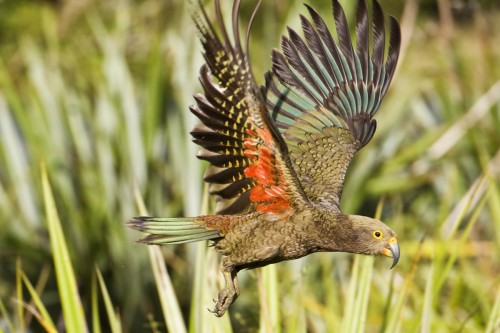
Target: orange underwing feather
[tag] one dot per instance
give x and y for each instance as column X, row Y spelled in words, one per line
column 268, row 193
column 249, row 165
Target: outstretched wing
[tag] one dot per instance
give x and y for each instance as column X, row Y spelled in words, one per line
column 323, row 94
column 250, row 168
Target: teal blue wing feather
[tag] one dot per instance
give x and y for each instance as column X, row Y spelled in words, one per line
column 322, row 94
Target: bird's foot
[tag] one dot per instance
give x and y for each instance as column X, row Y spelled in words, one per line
column 226, row 298
column 227, row 295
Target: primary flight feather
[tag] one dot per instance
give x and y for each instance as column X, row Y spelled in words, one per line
column 279, row 154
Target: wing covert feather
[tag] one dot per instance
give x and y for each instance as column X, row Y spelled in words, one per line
column 322, row 94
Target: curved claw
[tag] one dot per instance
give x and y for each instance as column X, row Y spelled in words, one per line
column 216, row 312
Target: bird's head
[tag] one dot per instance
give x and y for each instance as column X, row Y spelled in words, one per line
column 373, row 237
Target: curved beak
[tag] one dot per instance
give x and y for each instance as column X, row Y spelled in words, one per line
column 392, row 251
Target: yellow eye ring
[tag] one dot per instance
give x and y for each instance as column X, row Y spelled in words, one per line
column 377, row 234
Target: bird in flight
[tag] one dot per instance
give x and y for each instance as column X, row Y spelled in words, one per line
column 279, row 153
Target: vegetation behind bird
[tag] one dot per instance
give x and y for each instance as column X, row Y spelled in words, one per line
column 81, row 84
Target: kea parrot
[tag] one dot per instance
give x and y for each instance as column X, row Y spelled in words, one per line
column 279, row 153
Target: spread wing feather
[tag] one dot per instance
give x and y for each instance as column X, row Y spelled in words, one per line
column 249, row 167
column 323, row 94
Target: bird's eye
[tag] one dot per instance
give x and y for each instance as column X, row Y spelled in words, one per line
column 377, row 234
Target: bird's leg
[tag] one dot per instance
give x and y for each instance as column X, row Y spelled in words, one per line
column 230, row 292
column 236, row 285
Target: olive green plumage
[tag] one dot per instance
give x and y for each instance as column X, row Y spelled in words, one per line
column 279, row 154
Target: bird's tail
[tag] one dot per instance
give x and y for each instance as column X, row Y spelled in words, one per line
column 166, row 230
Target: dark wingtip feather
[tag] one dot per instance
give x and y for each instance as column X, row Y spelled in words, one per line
column 223, row 176
column 394, row 42
column 137, row 223
column 378, row 34
column 147, row 240
column 237, row 206
column 363, row 36
column 393, row 53
column 343, row 32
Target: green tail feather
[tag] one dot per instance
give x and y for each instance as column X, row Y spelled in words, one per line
column 167, row 230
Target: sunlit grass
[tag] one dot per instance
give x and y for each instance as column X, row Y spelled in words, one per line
column 65, row 276
column 104, row 105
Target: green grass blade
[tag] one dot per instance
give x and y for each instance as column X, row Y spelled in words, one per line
column 358, row 294
column 349, row 319
column 43, row 318
column 168, row 300
column 206, row 283
column 17, row 165
column 5, row 317
column 494, row 207
column 454, row 252
column 199, row 289
column 19, row 294
column 456, row 132
column 494, row 320
column 70, row 300
column 269, row 299
column 427, row 310
column 96, row 322
column 394, row 312
column 361, row 304
column 166, row 292
column 114, row 318
column 293, row 300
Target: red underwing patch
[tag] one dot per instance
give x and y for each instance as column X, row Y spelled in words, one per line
column 269, row 194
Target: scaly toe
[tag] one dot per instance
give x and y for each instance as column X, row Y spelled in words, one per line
column 226, row 298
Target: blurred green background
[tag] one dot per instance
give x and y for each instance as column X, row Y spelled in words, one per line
column 98, row 92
